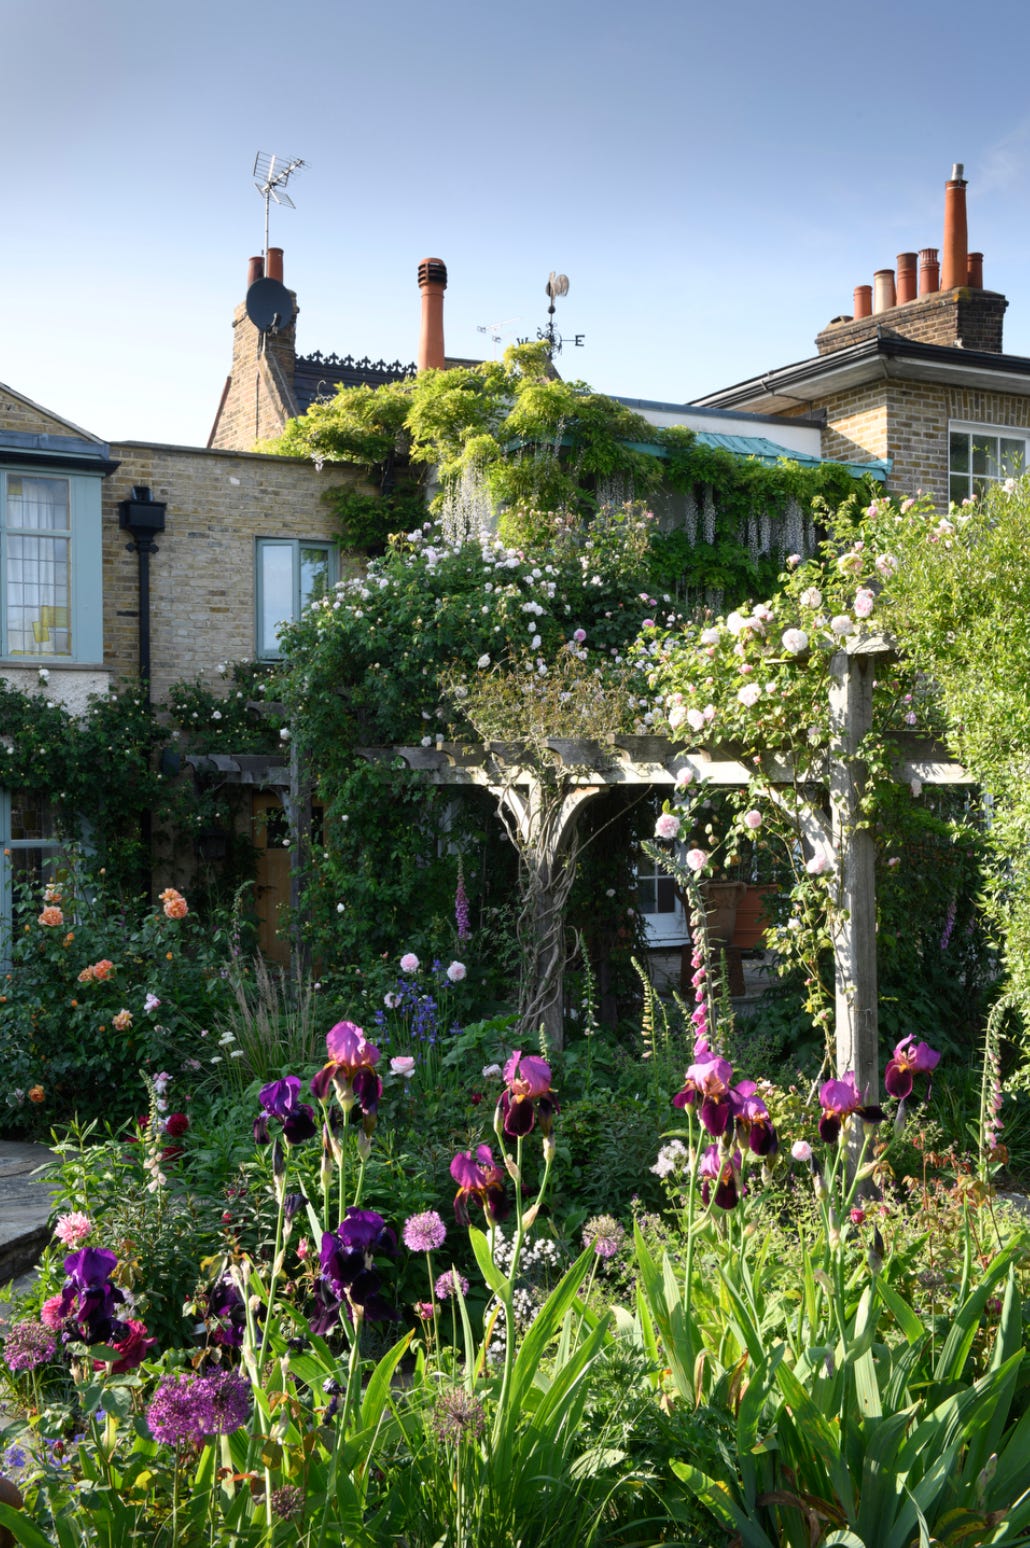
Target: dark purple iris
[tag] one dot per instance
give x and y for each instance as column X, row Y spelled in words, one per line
column 707, row 1085
column 723, row 1171
column 88, row 1300
column 529, row 1095
column 227, row 1315
column 349, row 1278
column 839, row 1099
column 909, row 1059
column 281, row 1099
column 479, row 1177
column 754, row 1124
column 351, row 1069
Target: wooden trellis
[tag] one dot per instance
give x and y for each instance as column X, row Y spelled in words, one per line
column 584, row 771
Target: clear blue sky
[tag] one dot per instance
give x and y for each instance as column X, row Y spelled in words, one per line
column 714, row 179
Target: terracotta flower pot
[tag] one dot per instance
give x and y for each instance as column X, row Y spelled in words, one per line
column 752, row 919
column 722, row 900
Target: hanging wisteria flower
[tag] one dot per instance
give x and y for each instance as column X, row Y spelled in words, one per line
column 28, row 1345
column 73, row 1229
column 668, row 826
column 409, row 962
column 424, row 1233
column 479, row 1177
column 445, row 1286
column 605, row 1234
column 795, row 641
column 528, row 1096
column 908, row 1059
column 456, row 972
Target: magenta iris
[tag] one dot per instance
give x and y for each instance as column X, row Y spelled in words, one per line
column 909, row 1059
column 479, row 1177
column 281, row 1099
column 351, row 1069
column 529, row 1095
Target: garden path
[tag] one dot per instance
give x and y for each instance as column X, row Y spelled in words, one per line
column 24, row 1206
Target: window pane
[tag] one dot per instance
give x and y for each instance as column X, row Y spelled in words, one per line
column 275, row 590
column 31, row 816
column 959, row 452
column 985, row 455
column 37, row 504
column 1013, row 457
column 38, row 599
column 645, row 895
column 958, row 489
column 314, row 574
column 666, row 895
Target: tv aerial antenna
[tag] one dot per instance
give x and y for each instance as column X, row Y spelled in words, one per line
column 557, row 285
column 495, row 329
column 271, row 174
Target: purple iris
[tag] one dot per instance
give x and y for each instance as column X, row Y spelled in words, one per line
column 349, row 1278
column 88, row 1300
column 723, row 1170
column 839, row 1099
column 908, row 1059
column 479, row 1177
column 281, row 1099
column 708, row 1083
column 529, row 1095
column 351, row 1069
column 227, row 1315
column 754, row 1124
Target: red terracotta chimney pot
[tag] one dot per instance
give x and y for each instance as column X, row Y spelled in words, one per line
column 906, row 278
column 863, row 301
column 255, row 270
column 432, row 280
column 975, row 271
column 929, row 271
column 275, row 264
column 954, row 265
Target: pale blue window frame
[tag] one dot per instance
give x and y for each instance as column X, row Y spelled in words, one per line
column 41, row 845
column 287, row 580
column 79, row 639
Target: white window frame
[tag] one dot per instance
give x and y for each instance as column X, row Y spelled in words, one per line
column 667, row 929
column 85, row 568
column 974, row 483
column 265, row 650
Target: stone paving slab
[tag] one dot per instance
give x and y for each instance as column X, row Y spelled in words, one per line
column 24, row 1206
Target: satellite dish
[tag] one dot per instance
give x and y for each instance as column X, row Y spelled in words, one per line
column 269, row 305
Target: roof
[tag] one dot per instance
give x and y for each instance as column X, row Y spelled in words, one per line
column 317, row 376
column 770, row 453
column 886, row 355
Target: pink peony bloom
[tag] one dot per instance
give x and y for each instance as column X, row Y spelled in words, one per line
column 73, row 1229
column 409, row 962
column 456, row 972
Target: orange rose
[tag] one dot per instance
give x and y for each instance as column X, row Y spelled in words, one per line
column 122, row 1021
column 87, row 975
column 169, row 894
column 176, row 908
column 103, row 969
column 36, row 1094
column 51, row 916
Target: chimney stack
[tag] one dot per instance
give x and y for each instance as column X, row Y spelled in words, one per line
column 906, row 278
column 954, row 268
column 432, row 280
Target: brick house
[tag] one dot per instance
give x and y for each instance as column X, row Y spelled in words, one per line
column 915, row 375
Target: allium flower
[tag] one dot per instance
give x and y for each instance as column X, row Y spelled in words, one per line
column 72, row 1229
column 458, row 1416
column 456, row 972
column 604, row 1234
column 696, row 859
column 528, row 1096
column 479, row 1177
column 409, row 962
column 287, row 1502
column 908, row 1059
column 424, row 1233
column 446, row 1285
column 668, row 826
column 795, row 641
column 190, row 1408
column 27, row 1345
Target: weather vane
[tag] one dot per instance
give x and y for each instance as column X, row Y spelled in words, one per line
column 274, row 173
column 557, row 285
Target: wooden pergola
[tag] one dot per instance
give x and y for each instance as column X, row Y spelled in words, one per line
column 580, row 772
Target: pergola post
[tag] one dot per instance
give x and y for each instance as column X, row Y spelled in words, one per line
column 853, row 924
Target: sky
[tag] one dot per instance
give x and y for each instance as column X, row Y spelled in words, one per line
column 713, row 178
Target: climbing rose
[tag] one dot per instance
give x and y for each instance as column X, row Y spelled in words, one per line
column 667, row 826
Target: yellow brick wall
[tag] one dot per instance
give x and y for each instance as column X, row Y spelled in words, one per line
column 202, row 579
column 18, row 414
